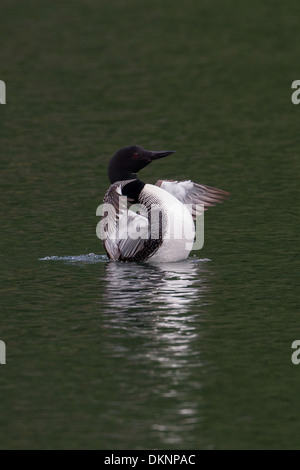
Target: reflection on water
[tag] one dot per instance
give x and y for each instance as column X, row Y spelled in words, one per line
column 152, row 313
column 147, row 324
column 152, row 288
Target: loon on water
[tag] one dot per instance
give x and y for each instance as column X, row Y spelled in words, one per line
column 177, row 204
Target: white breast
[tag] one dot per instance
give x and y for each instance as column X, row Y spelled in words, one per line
column 179, row 229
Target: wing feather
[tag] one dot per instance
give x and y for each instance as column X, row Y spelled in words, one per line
column 119, row 222
column 199, row 197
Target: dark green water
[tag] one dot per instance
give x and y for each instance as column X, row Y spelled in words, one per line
column 189, row 355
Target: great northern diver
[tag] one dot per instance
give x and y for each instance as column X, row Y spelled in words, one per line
column 128, row 233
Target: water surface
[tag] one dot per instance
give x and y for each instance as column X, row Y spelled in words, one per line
column 107, row 355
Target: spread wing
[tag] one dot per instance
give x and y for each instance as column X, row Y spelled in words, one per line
column 125, row 234
column 199, row 197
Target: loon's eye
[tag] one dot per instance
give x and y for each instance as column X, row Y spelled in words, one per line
column 135, row 154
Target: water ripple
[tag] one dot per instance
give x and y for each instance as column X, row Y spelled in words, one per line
column 90, row 258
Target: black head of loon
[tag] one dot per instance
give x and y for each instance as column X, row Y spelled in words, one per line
column 128, row 161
